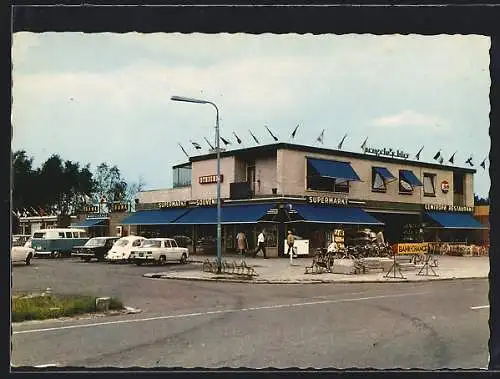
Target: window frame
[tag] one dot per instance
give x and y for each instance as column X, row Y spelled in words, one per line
column 401, row 190
column 433, row 178
column 343, row 187
column 374, row 174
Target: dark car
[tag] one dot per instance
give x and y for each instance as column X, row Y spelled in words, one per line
column 96, row 247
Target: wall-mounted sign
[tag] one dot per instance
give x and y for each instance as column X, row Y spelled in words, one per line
column 386, row 152
column 98, row 215
column 445, row 186
column 447, row 208
column 119, row 207
column 187, row 203
column 209, row 179
column 327, row 200
column 90, row 209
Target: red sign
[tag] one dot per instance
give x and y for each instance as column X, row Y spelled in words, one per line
column 445, row 186
column 210, row 179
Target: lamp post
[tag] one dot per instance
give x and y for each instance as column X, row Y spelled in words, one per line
column 217, row 147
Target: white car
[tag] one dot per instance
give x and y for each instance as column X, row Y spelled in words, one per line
column 122, row 248
column 159, row 250
column 21, row 254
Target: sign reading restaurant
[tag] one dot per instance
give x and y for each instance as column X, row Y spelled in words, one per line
column 327, row 200
column 447, row 208
column 209, row 179
column 388, row 152
column 187, row 203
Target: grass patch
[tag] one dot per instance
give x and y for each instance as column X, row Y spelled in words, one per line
column 46, row 307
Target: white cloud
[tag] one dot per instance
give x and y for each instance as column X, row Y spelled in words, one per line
column 409, row 118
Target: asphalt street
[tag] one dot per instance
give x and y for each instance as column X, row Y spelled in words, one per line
column 431, row 325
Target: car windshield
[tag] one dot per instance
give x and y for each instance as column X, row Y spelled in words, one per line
column 96, row 242
column 151, row 243
column 121, row 243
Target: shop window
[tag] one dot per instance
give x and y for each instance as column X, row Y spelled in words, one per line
column 404, row 186
column 378, row 182
column 429, row 184
column 181, row 176
column 458, row 183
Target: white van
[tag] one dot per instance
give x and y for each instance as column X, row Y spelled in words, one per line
column 57, row 242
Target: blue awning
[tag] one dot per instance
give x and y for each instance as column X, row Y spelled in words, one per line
column 455, row 220
column 334, row 215
column 385, row 173
column 230, row 214
column 88, row 223
column 333, row 169
column 155, row 217
column 409, row 176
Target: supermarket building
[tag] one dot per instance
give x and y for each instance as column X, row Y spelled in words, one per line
column 311, row 191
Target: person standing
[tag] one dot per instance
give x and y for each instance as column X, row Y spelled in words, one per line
column 242, row 243
column 290, row 240
column 261, row 245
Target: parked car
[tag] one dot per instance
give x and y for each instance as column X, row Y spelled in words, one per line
column 22, row 254
column 21, row 240
column 96, row 247
column 57, row 242
column 120, row 252
column 159, row 250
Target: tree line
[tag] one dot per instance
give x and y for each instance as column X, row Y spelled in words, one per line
column 63, row 187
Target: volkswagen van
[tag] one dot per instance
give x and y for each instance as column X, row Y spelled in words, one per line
column 57, row 242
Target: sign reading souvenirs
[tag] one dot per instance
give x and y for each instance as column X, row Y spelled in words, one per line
column 447, row 208
column 327, row 200
column 187, row 203
column 209, row 179
column 386, row 152
column 411, row 248
column 445, row 186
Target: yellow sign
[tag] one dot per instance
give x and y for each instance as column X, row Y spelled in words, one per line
column 412, row 248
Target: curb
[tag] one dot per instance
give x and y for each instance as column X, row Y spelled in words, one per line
column 312, row 281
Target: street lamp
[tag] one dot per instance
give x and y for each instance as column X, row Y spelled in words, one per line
column 217, row 147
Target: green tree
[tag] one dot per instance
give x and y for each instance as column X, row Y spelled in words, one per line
column 23, row 181
column 109, row 184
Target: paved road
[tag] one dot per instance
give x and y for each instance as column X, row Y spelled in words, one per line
column 207, row 324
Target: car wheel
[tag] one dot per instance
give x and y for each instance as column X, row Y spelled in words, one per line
column 162, row 260
column 184, row 258
column 138, row 263
column 55, row 254
column 28, row 259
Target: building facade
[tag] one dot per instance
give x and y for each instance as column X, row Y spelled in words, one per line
column 312, row 192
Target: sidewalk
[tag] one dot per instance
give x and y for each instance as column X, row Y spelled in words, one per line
column 279, row 271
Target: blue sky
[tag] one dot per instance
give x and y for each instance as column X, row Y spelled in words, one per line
column 96, row 98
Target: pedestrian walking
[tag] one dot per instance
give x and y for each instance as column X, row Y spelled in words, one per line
column 261, row 245
column 290, row 240
column 242, row 242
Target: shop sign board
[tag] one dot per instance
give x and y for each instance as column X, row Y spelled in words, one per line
column 412, row 248
column 388, row 152
column 447, row 208
column 119, row 207
column 445, row 186
column 98, row 215
column 90, row 209
column 327, row 200
column 209, row 179
column 187, row 203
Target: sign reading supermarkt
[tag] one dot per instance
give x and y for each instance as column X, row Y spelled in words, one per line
column 327, row 200
column 186, row 203
column 447, row 208
column 386, row 152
